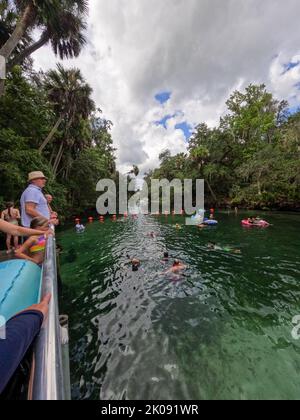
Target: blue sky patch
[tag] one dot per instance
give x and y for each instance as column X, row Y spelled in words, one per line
column 297, row 85
column 163, row 97
column 290, row 66
column 292, row 110
column 186, row 128
column 164, row 120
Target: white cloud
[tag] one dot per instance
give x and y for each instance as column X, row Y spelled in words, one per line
column 200, row 50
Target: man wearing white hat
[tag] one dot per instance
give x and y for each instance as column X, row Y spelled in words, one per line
column 33, row 202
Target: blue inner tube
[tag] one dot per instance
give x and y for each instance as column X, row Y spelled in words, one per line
column 210, row 222
column 20, row 287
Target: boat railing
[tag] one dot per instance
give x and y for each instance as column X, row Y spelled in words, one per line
column 47, row 378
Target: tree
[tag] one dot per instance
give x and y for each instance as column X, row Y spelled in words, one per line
column 60, row 21
column 70, row 96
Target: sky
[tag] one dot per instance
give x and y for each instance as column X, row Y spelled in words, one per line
column 158, row 68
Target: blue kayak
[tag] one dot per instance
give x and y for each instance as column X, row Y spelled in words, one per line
column 20, row 287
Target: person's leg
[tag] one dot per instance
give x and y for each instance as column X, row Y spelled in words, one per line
column 8, row 242
column 16, row 242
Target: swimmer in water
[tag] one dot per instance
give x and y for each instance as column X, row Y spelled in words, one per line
column 165, row 258
column 177, row 226
column 152, row 235
column 213, row 247
column 135, row 264
column 177, row 267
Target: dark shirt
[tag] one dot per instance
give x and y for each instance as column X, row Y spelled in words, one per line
column 20, row 334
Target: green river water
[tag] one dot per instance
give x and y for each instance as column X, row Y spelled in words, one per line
column 221, row 331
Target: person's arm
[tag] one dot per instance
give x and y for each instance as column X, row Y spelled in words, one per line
column 21, row 231
column 30, row 209
column 20, row 331
column 22, row 252
column 3, row 215
column 18, row 215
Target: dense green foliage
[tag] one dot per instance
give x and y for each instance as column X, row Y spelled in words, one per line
column 79, row 152
column 252, row 159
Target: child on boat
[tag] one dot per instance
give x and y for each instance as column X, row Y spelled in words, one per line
column 34, row 248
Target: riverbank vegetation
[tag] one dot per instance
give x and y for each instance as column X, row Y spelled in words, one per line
column 251, row 159
column 49, row 121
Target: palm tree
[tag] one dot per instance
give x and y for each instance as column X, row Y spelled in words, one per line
column 70, row 96
column 71, row 99
column 61, row 22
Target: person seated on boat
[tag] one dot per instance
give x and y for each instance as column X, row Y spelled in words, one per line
column 177, row 267
column 20, row 333
column 34, row 248
column 251, row 220
column 79, row 228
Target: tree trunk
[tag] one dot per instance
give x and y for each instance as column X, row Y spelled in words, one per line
column 51, row 134
column 259, row 184
column 211, row 191
column 58, row 159
column 28, row 51
column 2, row 87
column 24, row 22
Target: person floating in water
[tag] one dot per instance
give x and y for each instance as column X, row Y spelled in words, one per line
column 214, row 247
column 135, row 264
column 178, row 226
column 165, row 258
column 152, row 235
column 177, row 267
column 79, row 228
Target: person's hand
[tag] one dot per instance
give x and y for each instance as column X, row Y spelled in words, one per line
column 49, row 232
column 54, row 221
column 42, row 307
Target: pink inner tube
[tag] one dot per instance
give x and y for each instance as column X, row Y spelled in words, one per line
column 261, row 223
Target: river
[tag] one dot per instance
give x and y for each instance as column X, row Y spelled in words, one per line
column 220, row 331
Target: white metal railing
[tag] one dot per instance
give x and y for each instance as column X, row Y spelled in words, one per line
column 47, row 379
